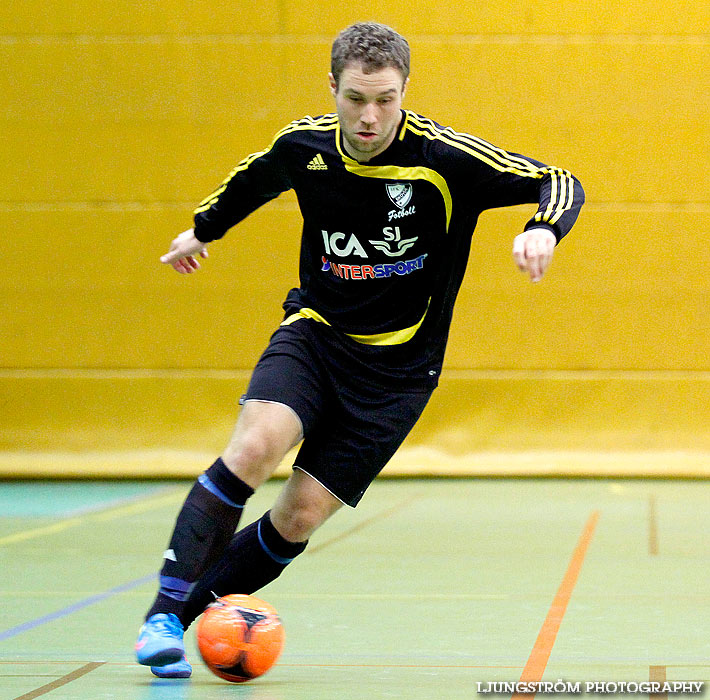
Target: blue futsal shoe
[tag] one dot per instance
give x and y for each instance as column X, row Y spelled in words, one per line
column 180, row 669
column 160, row 641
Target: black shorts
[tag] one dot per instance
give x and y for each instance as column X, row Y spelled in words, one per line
column 352, row 425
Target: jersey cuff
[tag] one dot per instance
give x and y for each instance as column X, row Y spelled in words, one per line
column 202, row 235
column 536, row 224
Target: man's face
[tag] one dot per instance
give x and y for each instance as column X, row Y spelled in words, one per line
column 368, row 107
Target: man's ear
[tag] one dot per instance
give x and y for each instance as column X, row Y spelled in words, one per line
column 333, row 84
column 404, row 87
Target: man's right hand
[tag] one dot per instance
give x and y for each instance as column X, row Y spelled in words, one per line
column 182, row 253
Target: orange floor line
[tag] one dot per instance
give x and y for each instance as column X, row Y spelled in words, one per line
column 540, row 654
column 68, row 678
column 657, row 673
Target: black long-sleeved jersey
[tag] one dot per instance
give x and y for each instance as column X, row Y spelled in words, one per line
column 385, row 243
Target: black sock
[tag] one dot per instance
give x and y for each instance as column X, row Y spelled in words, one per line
column 256, row 556
column 203, row 529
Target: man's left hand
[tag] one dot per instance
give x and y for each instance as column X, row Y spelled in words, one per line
column 532, row 251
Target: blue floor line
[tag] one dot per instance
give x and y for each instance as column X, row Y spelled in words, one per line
column 58, row 614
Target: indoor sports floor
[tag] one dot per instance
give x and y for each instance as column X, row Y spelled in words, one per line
column 425, row 590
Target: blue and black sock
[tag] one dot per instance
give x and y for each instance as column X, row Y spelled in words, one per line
column 204, row 527
column 256, row 556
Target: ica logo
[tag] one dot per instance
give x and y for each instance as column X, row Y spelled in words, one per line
column 334, row 245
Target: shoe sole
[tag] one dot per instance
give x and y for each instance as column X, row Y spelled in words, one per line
column 158, row 671
column 163, row 657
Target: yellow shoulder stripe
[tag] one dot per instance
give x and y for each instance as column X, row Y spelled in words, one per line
column 325, row 123
column 497, row 159
column 562, row 182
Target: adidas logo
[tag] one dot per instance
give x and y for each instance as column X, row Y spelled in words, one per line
column 317, row 163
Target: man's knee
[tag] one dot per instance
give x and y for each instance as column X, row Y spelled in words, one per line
column 248, row 450
column 302, row 507
column 263, row 435
column 297, row 524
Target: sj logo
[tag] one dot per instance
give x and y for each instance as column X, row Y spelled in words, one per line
column 394, row 245
column 333, row 244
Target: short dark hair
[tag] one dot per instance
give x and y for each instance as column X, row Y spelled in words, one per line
column 374, row 46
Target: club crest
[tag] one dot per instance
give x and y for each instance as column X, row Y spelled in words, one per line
column 400, row 193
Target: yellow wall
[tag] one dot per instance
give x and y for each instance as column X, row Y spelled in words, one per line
column 118, row 117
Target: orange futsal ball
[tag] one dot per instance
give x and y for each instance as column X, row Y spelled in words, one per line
column 240, row 637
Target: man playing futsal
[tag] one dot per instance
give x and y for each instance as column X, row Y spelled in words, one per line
column 389, row 201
